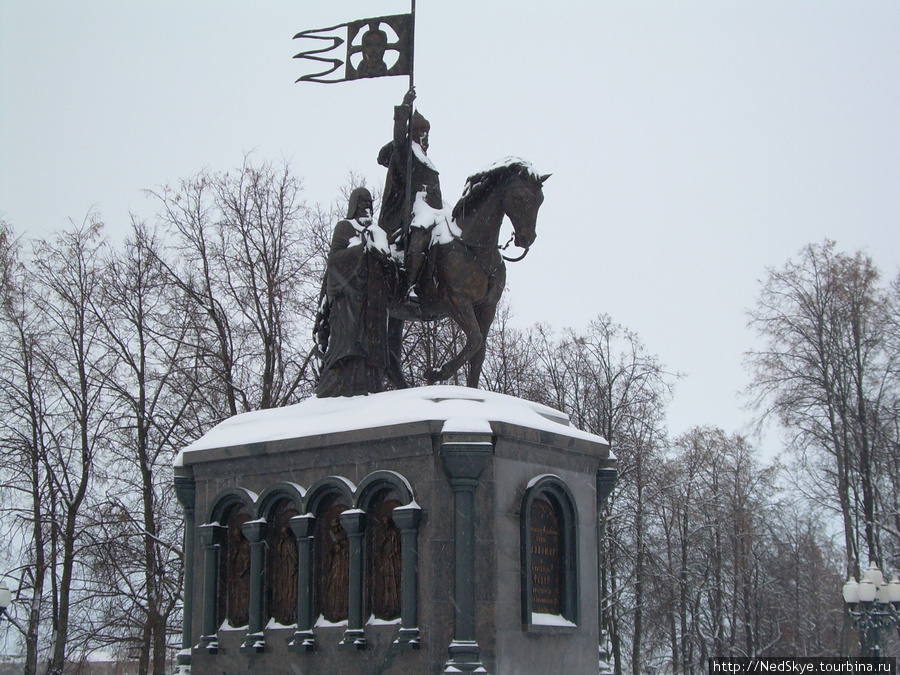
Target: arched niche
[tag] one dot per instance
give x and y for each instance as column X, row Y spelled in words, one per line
column 391, row 552
column 549, row 550
column 378, row 495
column 383, row 563
column 277, row 505
column 327, row 500
column 231, row 509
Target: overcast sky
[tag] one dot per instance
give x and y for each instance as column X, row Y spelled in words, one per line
column 692, row 144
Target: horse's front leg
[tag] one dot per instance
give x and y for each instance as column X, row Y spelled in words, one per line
column 464, row 315
column 395, row 345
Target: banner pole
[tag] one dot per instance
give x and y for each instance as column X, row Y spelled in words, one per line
column 407, row 202
column 412, row 43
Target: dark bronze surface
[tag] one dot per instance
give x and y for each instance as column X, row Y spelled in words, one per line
column 464, row 279
column 234, row 592
column 332, row 553
column 351, row 328
column 460, row 274
column 367, row 38
column 283, row 563
column 384, row 561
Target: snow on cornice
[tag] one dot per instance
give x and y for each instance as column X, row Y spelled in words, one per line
column 461, row 409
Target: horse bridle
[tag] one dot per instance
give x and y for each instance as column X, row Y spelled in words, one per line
column 506, row 246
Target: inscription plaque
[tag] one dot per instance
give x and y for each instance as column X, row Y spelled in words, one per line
column 546, row 558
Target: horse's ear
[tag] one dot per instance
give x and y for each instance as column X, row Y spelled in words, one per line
column 545, row 177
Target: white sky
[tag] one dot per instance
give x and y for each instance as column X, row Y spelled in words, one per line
column 692, row 144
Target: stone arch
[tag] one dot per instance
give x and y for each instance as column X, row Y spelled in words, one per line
column 379, row 480
column 325, row 486
column 226, row 499
column 274, row 493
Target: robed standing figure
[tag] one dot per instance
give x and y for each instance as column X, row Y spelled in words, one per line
column 355, row 327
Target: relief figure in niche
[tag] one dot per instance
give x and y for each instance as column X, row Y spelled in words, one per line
column 333, row 546
column 384, row 562
column 237, row 571
column 283, row 566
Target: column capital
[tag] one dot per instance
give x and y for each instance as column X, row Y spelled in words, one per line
column 607, row 475
column 254, row 530
column 303, row 525
column 353, row 521
column 465, row 456
column 407, row 517
column 185, row 487
column 211, row 533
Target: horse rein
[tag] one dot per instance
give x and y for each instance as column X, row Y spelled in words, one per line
column 506, row 246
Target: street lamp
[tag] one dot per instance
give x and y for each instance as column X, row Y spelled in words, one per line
column 874, row 605
column 5, row 597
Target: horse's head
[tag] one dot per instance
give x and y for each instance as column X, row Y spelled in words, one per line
column 521, row 200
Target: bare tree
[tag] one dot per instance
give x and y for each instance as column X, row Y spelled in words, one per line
column 888, row 425
column 427, row 345
column 823, row 374
column 248, row 273
column 609, row 384
column 65, row 280
column 135, row 556
column 511, row 364
column 24, row 436
column 737, row 570
column 804, row 573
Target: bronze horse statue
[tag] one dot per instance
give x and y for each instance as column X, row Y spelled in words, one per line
column 465, row 276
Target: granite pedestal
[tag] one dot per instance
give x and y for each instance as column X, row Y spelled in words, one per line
column 496, row 514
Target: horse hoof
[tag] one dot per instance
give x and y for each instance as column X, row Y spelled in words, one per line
column 397, row 379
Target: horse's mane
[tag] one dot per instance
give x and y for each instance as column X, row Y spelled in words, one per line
column 479, row 185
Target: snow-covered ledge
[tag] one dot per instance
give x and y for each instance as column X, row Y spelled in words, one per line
column 451, row 409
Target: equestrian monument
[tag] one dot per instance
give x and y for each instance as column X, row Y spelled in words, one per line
column 381, row 528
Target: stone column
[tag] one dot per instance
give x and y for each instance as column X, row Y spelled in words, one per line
column 185, row 490
column 255, row 531
column 407, row 518
column 606, row 480
column 211, row 537
column 304, row 639
column 354, row 523
column 465, row 456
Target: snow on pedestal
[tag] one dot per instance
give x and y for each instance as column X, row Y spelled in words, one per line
column 462, row 409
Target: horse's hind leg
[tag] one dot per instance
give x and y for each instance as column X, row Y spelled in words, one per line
column 395, row 344
column 464, row 316
column 485, row 317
